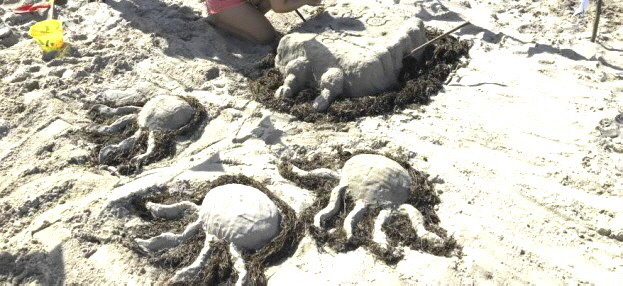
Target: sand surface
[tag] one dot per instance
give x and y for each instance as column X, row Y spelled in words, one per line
column 522, row 143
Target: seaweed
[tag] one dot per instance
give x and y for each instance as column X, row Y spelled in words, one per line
column 164, row 140
column 398, row 229
column 219, row 270
column 418, row 81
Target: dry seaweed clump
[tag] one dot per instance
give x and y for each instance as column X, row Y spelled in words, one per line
column 219, row 270
column 398, row 228
column 121, row 141
column 418, row 82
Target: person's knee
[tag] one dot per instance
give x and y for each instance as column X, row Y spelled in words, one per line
column 245, row 21
column 266, row 36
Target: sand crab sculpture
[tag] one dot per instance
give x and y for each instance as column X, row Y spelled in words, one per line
column 163, row 113
column 350, row 50
column 371, row 180
column 241, row 215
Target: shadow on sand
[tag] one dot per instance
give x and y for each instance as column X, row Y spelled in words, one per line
column 38, row 267
column 495, row 38
column 188, row 35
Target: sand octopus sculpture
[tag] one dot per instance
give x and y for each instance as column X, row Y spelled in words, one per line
column 371, row 180
column 242, row 216
column 350, row 50
column 163, row 113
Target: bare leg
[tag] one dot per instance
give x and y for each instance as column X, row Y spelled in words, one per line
column 238, row 265
column 262, row 5
column 247, row 22
column 417, row 221
column 332, row 207
column 169, row 240
column 174, row 211
column 188, row 272
column 354, row 217
column 331, row 85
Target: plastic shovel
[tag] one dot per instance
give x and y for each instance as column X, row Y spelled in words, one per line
column 30, row 8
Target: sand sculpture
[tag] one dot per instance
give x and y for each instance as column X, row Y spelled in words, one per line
column 240, row 215
column 372, row 180
column 164, row 113
column 349, row 50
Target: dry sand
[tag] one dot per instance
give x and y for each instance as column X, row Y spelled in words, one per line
column 525, row 156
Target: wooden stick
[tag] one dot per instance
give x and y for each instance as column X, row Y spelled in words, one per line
column 436, row 39
column 300, row 15
column 596, row 24
column 51, row 15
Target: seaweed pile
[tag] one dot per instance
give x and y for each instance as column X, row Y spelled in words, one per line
column 418, row 81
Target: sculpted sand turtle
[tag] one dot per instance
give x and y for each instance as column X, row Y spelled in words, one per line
column 350, row 50
column 241, row 215
column 371, row 180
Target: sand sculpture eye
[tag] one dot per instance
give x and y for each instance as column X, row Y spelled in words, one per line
column 375, row 21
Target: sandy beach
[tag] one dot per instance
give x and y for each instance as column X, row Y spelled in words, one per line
column 510, row 130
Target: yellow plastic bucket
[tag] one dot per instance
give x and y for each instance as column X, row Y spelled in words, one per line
column 48, row 35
